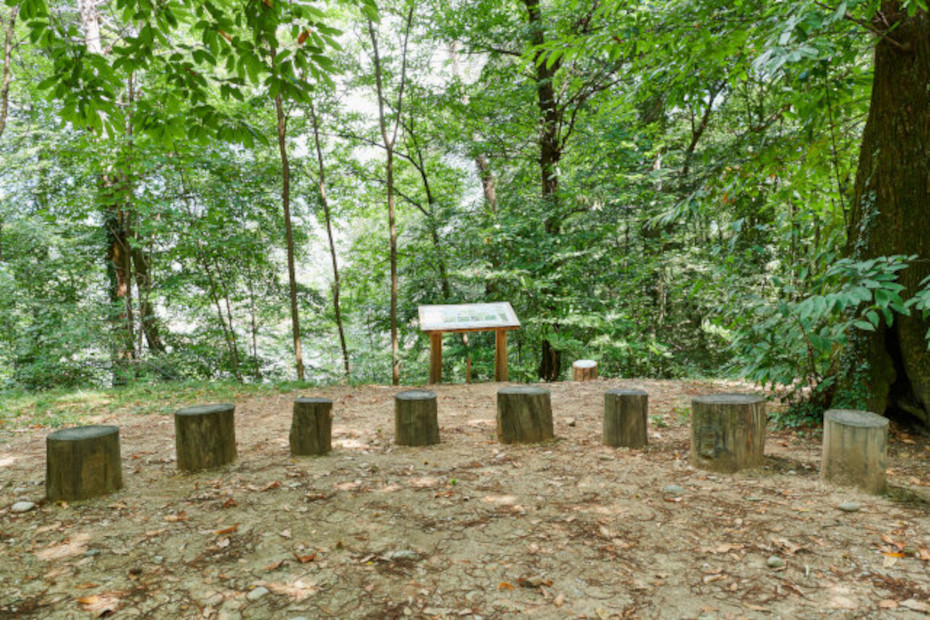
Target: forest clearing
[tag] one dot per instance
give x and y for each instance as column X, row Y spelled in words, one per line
column 300, row 206
column 469, row 527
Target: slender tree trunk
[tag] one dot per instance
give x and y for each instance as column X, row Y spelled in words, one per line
column 891, row 215
column 253, row 323
column 329, row 234
column 389, row 142
column 228, row 332
column 8, row 34
column 141, row 261
column 288, row 232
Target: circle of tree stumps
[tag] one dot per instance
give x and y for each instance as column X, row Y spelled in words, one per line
column 205, row 436
column 82, row 462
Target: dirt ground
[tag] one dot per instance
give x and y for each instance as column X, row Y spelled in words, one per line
column 466, row 528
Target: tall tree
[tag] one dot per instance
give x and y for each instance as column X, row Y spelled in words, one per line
column 324, row 201
column 9, row 31
column 890, row 211
column 389, row 138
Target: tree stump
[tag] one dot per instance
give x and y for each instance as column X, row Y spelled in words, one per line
column 727, row 432
column 524, row 415
column 205, row 436
column 625, row 415
column 312, row 427
column 854, row 444
column 584, row 370
column 415, row 418
column 82, row 462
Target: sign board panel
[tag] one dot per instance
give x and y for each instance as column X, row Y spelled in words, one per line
column 468, row 317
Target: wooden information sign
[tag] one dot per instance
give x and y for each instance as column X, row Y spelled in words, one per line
column 456, row 318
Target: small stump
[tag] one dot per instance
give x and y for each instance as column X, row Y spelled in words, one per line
column 82, row 462
column 854, row 444
column 312, row 427
column 524, row 415
column 205, row 436
column 625, row 414
column 727, row 432
column 415, row 418
column 584, row 370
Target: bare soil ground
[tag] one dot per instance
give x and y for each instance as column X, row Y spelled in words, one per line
column 467, row 528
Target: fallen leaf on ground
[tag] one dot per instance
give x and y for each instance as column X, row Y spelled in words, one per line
column 273, row 566
column 559, row 600
column 303, row 559
column 505, row 586
column 229, row 503
column 888, row 604
column 227, row 530
column 181, row 516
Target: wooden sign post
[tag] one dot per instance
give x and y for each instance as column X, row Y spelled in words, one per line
column 458, row 318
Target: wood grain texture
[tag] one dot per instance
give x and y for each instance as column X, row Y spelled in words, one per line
column 83, row 462
column 416, row 420
column 524, row 415
column 311, row 427
column 205, row 436
column 854, row 449
column 728, row 432
column 625, row 418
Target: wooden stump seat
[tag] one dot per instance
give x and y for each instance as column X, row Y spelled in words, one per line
column 854, row 448
column 584, row 370
column 416, row 421
column 625, row 418
column 524, row 415
column 82, row 462
column 727, row 432
column 205, row 436
column 311, row 427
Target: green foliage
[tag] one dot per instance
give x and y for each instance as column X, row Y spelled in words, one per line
column 796, row 341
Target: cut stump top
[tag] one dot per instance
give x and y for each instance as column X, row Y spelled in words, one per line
column 527, row 390
column 584, row 364
column 83, row 432
column 622, row 392
column 851, row 417
column 313, row 400
column 415, row 395
column 205, row 409
column 728, row 399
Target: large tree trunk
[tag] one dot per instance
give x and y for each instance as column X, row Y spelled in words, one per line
column 891, row 215
column 8, row 33
column 550, row 152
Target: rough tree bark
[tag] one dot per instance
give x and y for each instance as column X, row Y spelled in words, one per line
column 8, row 32
column 550, row 153
column 891, row 215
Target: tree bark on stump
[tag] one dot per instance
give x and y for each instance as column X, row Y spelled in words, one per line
column 312, row 427
column 727, row 432
column 415, row 418
column 82, row 462
column 584, row 370
column 524, row 415
column 625, row 415
column 205, row 436
column 854, row 446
